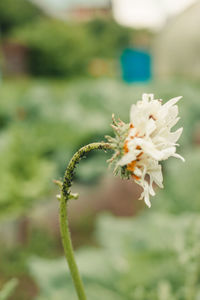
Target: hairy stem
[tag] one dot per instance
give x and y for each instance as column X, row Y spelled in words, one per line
column 64, row 226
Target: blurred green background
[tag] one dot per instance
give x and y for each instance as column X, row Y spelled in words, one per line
column 62, row 77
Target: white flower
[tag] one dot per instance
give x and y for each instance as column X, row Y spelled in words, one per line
column 149, row 141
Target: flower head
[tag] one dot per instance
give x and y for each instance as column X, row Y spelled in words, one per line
column 145, row 141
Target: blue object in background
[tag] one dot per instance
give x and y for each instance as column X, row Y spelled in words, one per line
column 136, row 65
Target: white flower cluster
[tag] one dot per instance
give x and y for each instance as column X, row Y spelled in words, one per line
column 150, row 141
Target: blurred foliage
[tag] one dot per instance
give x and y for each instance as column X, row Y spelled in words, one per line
column 181, row 191
column 74, row 44
column 108, row 38
column 26, row 175
column 155, row 256
column 16, row 13
column 48, row 37
column 60, row 48
column 40, row 242
column 8, row 289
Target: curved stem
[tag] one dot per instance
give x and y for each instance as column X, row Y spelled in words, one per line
column 69, row 173
column 64, row 227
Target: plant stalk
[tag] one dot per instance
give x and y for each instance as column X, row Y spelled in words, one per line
column 64, row 226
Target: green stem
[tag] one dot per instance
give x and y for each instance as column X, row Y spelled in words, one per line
column 64, row 226
column 68, row 249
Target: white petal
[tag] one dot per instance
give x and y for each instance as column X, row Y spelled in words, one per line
column 151, row 190
column 174, row 136
column 149, row 148
column 145, row 194
column 179, row 156
column 147, row 97
column 147, row 201
column 170, row 151
column 132, row 113
column 151, row 126
column 137, row 172
column 173, row 122
column 132, row 132
column 156, row 175
column 126, row 159
column 171, row 102
column 172, row 113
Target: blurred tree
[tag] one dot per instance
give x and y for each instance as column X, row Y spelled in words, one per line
column 17, row 12
column 108, row 37
column 76, row 44
column 56, row 48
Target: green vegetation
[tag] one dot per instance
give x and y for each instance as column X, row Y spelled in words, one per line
column 75, row 45
column 155, row 256
column 47, row 37
column 108, row 38
column 16, row 13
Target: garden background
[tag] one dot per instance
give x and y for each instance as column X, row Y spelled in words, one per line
column 63, row 73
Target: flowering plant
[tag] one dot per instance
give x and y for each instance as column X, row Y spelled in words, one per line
column 138, row 147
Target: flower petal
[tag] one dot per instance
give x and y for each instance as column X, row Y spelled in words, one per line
column 126, row 159
column 171, row 102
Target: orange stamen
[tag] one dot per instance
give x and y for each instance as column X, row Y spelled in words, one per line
column 131, row 166
column 131, row 125
column 135, row 177
column 126, row 150
column 139, row 155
